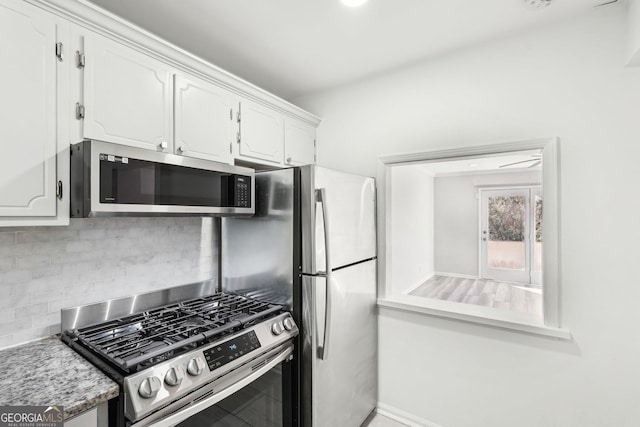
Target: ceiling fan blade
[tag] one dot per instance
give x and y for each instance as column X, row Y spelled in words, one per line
column 535, row 164
column 517, row 163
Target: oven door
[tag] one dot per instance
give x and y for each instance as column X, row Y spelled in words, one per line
column 255, row 395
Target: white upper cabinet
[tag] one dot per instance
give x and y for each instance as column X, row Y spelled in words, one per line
column 299, row 143
column 128, row 96
column 261, row 136
column 29, row 131
column 204, row 125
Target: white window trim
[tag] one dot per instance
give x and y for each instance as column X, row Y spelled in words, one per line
column 550, row 325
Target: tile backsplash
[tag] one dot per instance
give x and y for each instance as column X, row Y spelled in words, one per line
column 44, row 269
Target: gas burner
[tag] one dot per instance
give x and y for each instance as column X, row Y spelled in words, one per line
column 145, row 339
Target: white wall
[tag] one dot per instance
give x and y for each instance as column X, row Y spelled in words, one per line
column 45, row 269
column 566, row 80
column 456, row 217
column 412, row 242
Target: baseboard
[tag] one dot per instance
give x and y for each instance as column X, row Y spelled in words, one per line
column 403, row 417
column 461, row 276
column 417, row 285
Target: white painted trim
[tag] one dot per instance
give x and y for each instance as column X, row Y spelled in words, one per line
column 403, row 416
column 489, row 316
column 417, row 285
column 551, row 232
column 473, row 151
column 487, row 172
column 92, row 17
column 460, row 276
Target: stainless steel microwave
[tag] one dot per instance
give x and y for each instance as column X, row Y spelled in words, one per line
column 116, row 180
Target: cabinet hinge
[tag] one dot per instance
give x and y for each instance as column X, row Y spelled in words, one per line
column 80, row 60
column 238, row 137
column 59, row 190
column 231, row 148
column 230, row 113
column 79, row 111
column 59, row 51
column 239, row 115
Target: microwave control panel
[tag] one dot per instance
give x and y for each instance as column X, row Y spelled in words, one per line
column 238, row 190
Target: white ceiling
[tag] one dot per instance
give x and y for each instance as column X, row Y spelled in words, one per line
column 297, row 47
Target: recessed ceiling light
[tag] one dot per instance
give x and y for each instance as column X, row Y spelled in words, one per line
column 353, row 3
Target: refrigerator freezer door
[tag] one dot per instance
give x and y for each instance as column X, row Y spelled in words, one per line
column 257, row 253
column 342, row 387
column 349, row 201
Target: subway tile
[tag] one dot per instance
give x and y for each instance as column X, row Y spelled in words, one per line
column 92, row 234
column 56, row 305
column 8, row 315
column 49, row 234
column 79, row 246
column 46, row 319
column 7, row 239
column 15, row 326
column 31, row 310
column 47, row 272
column 77, row 290
column 15, row 276
column 7, row 263
column 32, row 261
column 31, row 334
column 16, row 250
column 47, row 296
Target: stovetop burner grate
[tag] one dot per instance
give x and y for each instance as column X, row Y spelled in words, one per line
column 144, row 339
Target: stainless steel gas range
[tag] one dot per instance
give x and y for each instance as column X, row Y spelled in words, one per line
column 190, row 356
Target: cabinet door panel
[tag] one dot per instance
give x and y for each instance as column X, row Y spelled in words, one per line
column 128, row 96
column 261, row 134
column 28, row 111
column 203, row 122
column 299, row 143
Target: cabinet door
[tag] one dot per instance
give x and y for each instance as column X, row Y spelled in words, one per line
column 299, row 143
column 128, row 96
column 261, row 134
column 203, row 120
column 28, row 111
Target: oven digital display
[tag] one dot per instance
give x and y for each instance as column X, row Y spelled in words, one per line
column 228, row 351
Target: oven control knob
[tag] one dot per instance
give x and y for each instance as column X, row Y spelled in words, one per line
column 149, row 387
column 174, row 376
column 276, row 328
column 288, row 323
column 195, row 366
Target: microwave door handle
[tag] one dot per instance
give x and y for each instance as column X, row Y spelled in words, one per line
column 321, row 197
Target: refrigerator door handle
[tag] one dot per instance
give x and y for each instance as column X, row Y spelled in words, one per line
column 321, row 197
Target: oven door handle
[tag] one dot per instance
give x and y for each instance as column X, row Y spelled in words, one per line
column 183, row 414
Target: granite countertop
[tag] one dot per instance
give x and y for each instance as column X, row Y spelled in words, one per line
column 48, row 372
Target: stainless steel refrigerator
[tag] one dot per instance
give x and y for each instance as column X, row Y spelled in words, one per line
column 312, row 246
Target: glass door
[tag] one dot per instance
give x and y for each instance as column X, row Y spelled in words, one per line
column 505, row 240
